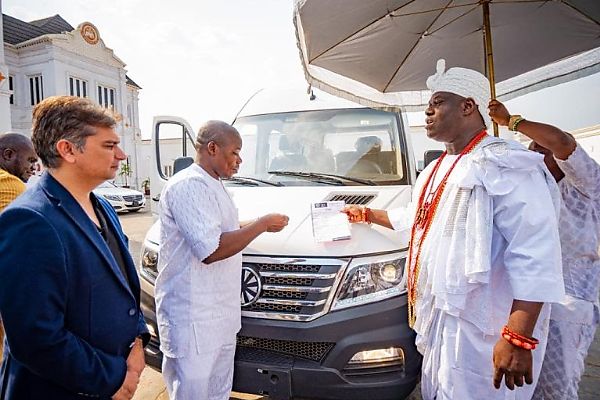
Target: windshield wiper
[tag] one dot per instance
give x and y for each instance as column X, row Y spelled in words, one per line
column 310, row 176
column 252, row 181
column 348, row 178
column 326, row 178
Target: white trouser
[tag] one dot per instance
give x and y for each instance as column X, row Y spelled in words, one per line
column 206, row 376
column 457, row 364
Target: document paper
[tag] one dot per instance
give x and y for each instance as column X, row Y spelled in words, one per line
column 329, row 222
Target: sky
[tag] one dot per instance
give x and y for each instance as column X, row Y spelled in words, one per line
column 203, row 59
column 199, row 59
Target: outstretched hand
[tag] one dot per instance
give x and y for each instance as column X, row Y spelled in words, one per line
column 513, row 363
column 354, row 213
column 274, row 222
column 498, row 113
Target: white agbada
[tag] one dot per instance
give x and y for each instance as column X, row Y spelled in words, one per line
column 494, row 239
column 197, row 305
column 573, row 322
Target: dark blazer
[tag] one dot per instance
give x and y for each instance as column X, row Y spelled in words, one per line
column 69, row 314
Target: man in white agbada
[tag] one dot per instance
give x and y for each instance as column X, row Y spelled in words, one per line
column 484, row 252
column 573, row 322
column 198, row 285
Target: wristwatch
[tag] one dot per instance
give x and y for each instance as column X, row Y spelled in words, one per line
column 513, row 122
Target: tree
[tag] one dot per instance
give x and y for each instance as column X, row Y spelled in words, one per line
column 125, row 172
column 146, row 185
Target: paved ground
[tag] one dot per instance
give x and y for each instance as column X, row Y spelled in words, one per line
column 152, row 386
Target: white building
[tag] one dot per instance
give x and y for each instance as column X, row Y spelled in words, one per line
column 49, row 57
column 5, row 123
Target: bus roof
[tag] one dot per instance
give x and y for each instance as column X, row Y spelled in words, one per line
column 272, row 101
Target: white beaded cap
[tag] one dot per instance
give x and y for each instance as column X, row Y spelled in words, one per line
column 463, row 82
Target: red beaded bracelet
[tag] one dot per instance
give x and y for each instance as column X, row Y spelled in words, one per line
column 519, row 340
column 365, row 215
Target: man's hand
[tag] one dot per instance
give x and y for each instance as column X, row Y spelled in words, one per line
column 127, row 389
column 136, row 361
column 274, row 222
column 499, row 113
column 135, row 365
column 354, row 213
column 512, row 362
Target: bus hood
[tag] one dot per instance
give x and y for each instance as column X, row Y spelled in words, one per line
column 297, row 240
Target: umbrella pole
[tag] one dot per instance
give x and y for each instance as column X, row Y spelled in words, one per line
column 489, row 54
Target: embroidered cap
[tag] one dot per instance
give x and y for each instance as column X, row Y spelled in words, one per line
column 463, row 82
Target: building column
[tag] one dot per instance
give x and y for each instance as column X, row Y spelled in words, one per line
column 5, row 121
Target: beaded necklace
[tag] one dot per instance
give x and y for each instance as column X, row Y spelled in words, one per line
column 426, row 209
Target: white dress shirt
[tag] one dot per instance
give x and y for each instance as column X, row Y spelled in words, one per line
column 197, row 304
column 580, row 225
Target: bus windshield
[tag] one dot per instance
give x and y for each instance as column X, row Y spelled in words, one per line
column 361, row 144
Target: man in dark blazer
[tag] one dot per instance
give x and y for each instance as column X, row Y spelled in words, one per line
column 69, row 293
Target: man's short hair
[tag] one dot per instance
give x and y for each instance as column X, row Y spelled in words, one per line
column 14, row 140
column 215, row 131
column 69, row 118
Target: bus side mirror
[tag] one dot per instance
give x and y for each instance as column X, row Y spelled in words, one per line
column 431, row 155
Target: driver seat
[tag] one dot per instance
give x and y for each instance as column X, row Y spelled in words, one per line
column 290, row 157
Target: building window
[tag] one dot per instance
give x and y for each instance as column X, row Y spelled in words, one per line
column 77, row 87
column 11, row 87
column 106, row 97
column 128, row 114
column 36, row 89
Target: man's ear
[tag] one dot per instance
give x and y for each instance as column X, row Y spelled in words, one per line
column 211, row 147
column 66, row 150
column 8, row 154
column 469, row 106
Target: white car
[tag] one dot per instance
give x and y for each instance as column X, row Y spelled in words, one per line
column 121, row 199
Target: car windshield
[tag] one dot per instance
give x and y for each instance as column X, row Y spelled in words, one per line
column 301, row 148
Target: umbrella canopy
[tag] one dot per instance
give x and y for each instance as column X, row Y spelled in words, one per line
column 388, row 46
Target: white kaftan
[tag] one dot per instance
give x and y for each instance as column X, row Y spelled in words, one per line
column 494, row 239
column 573, row 322
column 197, row 304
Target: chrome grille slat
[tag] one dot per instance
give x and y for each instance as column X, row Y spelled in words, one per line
column 276, row 280
column 303, row 303
column 297, row 288
column 289, row 267
column 268, row 307
column 296, row 276
column 294, row 289
column 281, row 294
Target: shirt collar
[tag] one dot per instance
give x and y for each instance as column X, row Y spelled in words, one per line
column 213, row 182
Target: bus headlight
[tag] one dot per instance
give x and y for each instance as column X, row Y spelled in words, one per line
column 149, row 264
column 373, row 281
